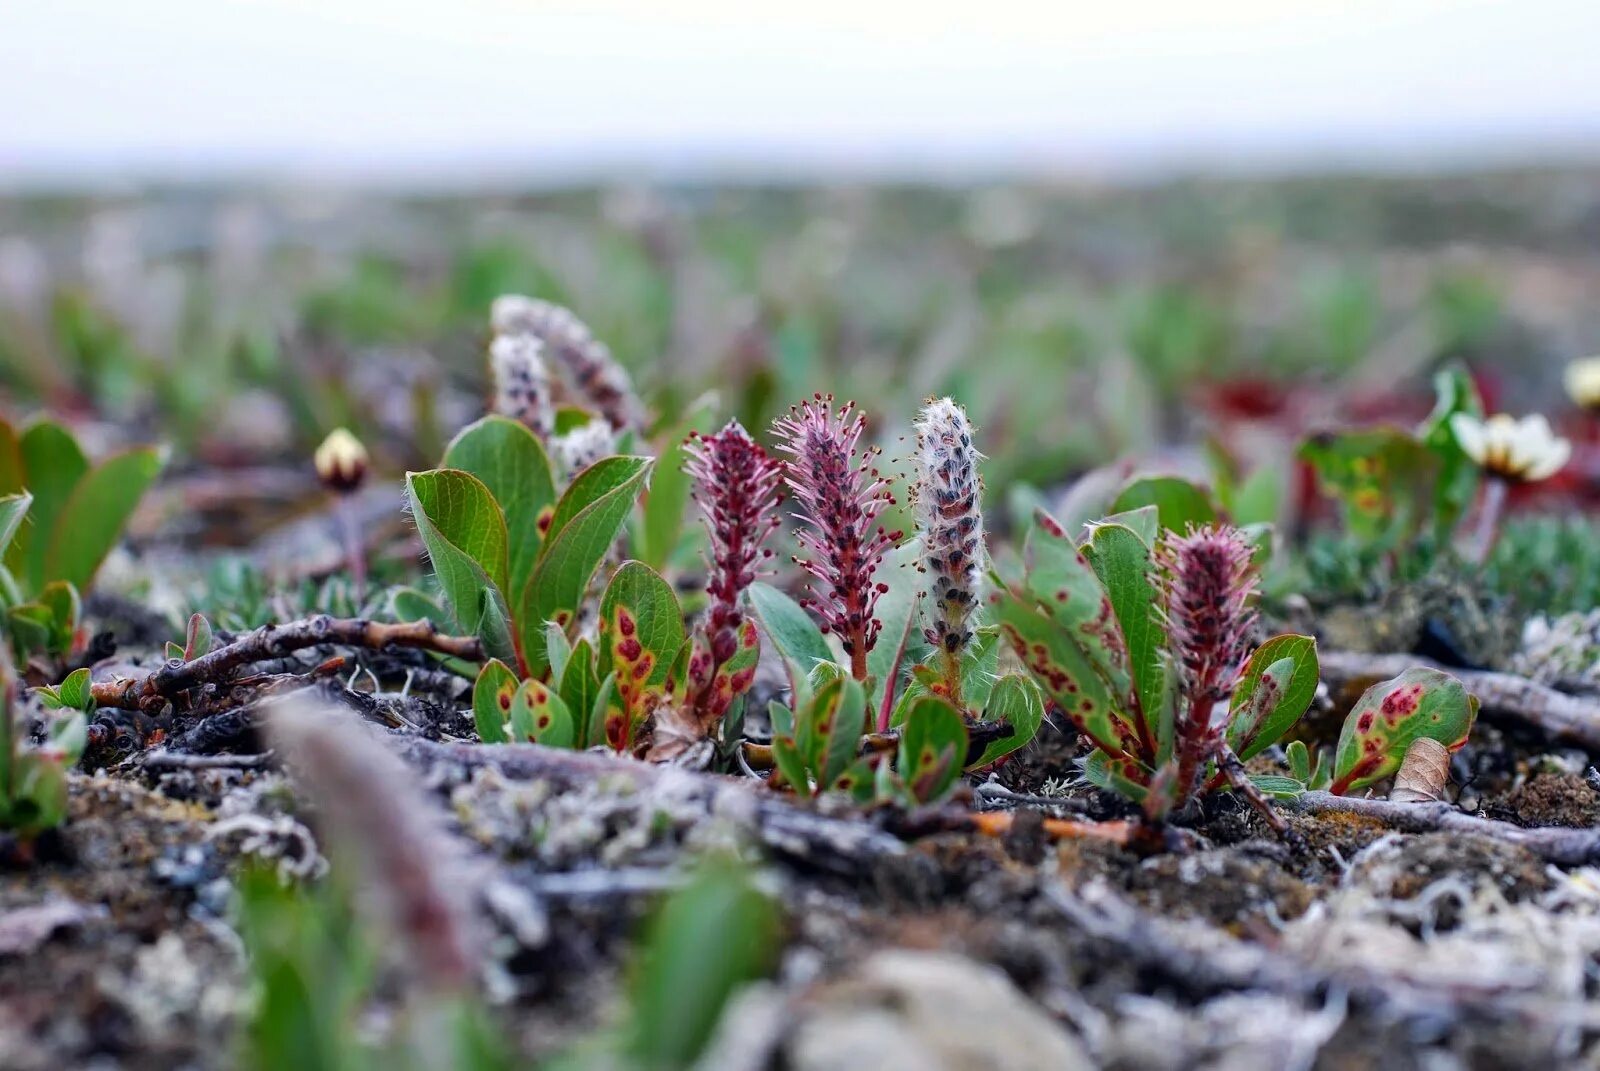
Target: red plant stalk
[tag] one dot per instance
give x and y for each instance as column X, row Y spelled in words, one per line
column 1209, row 590
column 738, row 486
column 840, row 494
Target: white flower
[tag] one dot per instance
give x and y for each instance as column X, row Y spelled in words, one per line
column 341, row 461
column 1522, row 450
column 1583, row 382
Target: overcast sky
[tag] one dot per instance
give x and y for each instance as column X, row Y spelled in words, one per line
column 487, row 90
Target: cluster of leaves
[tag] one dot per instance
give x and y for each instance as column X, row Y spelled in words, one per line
column 60, row 515
column 1400, row 495
column 1087, row 620
column 510, row 554
column 33, row 774
column 817, row 736
column 317, row 970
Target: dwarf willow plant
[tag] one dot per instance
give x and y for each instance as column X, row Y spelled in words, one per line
column 642, row 666
column 1139, row 637
column 60, row 515
column 1401, row 493
column 868, row 594
column 510, row 554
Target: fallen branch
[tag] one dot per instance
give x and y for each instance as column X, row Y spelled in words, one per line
column 1503, row 695
column 1568, row 847
column 163, row 761
column 275, row 641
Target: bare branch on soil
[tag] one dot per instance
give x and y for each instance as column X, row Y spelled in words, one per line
column 275, row 641
column 1568, row 847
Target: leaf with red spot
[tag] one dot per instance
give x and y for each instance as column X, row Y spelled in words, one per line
column 491, row 701
column 539, row 716
column 1390, row 715
column 1067, row 587
column 586, row 522
column 1278, row 685
column 933, row 745
column 830, row 735
column 1060, row 666
column 641, row 635
column 731, row 679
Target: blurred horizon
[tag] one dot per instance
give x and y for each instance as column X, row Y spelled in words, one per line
column 493, row 93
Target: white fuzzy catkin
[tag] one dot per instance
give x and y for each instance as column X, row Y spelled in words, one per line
column 522, row 382
column 387, row 832
column 950, row 521
column 585, row 362
column 582, row 446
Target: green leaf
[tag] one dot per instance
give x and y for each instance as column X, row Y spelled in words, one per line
column 52, row 466
column 933, row 745
column 1457, row 482
column 1271, row 696
column 1126, row 569
column 61, row 599
column 1069, row 589
column 539, row 716
column 712, row 937
column 465, row 536
column 409, row 604
column 512, row 463
column 1281, row 787
column 600, row 714
column 30, row 626
column 791, row 764
column 197, row 638
column 1299, row 759
column 579, row 686
column 557, row 649
column 1178, row 502
column 492, row 694
column 13, row 508
column 71, row 694
column 1390, row 715
column 897, row 610
column 1259, row 499
column 1119, row 774
column 1144, row 521
column 93, row 515
column 668, row 500
column 797, row 638
column 1379, row 476
column 585, row 526
column 1015, row 701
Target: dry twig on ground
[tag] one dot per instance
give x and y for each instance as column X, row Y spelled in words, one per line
column 275, row 641
column 1555, row 844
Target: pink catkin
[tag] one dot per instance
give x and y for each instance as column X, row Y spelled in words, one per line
column 840, row 495
column 738, row 486
column 1209, row 588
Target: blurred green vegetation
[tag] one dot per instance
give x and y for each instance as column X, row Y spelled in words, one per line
column 1076, row 323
